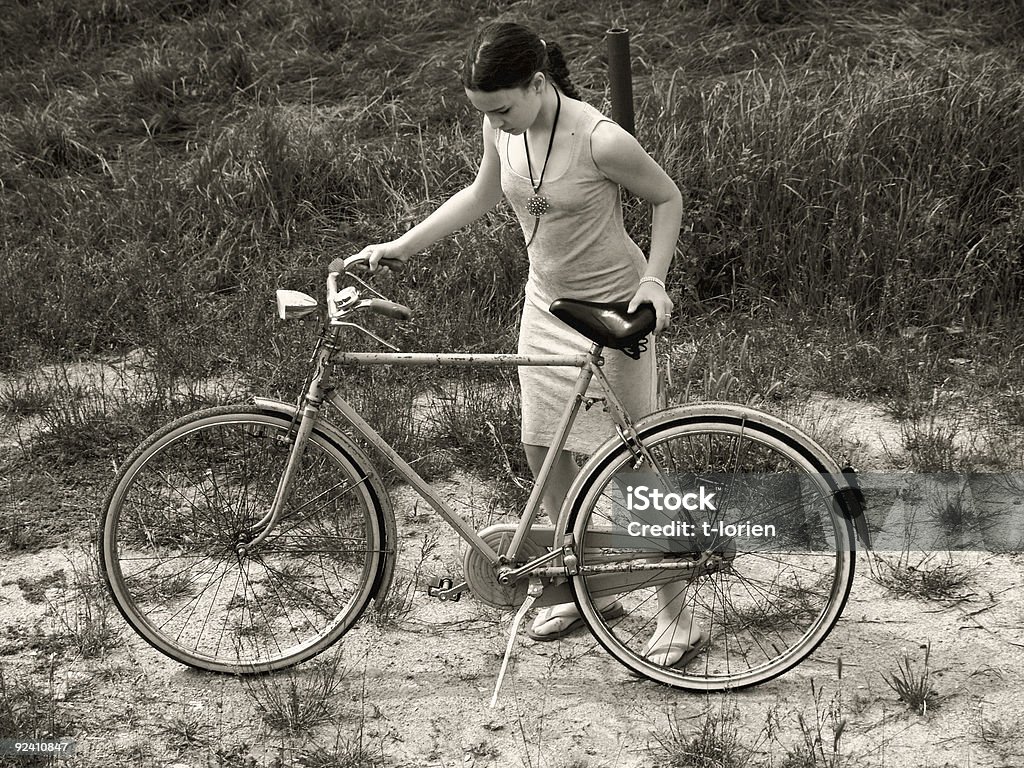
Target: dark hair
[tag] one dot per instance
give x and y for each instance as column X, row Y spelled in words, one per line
column 507, row 55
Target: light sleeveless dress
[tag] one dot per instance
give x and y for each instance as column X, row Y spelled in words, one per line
column 581, row 250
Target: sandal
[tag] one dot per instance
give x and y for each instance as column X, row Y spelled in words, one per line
column 613, row 611
column 687, row 651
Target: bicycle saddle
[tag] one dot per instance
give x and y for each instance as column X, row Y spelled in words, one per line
column 608, row 323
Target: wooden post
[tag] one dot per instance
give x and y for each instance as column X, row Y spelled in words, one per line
column 620, row 78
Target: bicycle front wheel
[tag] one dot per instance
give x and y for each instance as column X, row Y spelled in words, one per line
column 746, row 585
column 195, row 490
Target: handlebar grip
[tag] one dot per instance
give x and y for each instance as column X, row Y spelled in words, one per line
column 389, row 309
column 339, row 265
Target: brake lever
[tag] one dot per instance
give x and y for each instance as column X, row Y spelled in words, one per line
column 368, row 332
column 346, row 267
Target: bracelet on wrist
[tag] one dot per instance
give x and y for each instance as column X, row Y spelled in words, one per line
column 652, row 279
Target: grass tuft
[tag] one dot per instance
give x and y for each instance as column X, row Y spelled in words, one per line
column 28, row 707
column 85, row 620
column 714, row 743
column 914, row 687
column 186, row 732
column 389, row 610
column 821, row 737
column 924, row 579
column 296, row 702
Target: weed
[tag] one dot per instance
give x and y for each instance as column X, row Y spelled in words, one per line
column 848, row 365
column 83, row 615
column 28, row 707
column 297, row 701
column 1003, row 739
column 951, row 508
column 350, row 751
column 25, row 398
column 931, row 442
column 821, row 738
column 17, row 535
column 390, row 609
column 938, row 581
column 186, row 732
column 344, row 753
column 478, row 416
column 913, row 687
column 715, row 743
column 727, row 371
column 387, row 402
column 233, row 756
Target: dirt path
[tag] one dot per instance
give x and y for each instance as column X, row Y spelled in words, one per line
column 417, row 694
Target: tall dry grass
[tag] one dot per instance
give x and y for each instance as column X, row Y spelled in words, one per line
column 164, row 166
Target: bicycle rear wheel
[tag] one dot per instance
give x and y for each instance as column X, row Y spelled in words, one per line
column 763, row 602
column 191, row 493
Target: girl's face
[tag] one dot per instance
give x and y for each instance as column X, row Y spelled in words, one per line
column 512, row 110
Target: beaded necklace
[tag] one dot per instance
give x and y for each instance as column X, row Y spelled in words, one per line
column 538, row 205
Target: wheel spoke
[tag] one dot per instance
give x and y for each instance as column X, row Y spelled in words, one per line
column 764, row 608
column 188, row 498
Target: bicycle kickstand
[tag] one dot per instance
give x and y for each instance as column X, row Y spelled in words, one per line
column 532, row 593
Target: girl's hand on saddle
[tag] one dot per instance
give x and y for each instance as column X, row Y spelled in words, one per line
column 655, row 295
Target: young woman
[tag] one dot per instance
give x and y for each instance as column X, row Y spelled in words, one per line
column 560, row 163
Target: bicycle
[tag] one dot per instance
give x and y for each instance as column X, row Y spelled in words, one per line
column 249, row 538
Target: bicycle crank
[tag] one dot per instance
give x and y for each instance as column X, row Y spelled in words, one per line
column 445, row 589
column 482, row 577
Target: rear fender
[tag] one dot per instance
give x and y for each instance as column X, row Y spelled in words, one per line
column 845, row 490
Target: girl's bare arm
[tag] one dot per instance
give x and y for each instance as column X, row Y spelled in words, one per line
column 464, row 207
column 621, row 159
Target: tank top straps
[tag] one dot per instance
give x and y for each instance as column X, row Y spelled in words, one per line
column 580, row 248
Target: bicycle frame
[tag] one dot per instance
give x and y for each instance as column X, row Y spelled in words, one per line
column 590, row 369
column 320, row 391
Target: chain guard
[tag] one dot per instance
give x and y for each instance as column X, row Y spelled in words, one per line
column 482, row 577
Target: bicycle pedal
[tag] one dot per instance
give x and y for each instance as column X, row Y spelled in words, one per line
column 445, row 589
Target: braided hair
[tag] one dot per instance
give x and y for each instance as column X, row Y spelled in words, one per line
column 506, row 55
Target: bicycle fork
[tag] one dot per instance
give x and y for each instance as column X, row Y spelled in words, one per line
column 314, row 399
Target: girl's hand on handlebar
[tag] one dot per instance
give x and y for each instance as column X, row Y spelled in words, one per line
column 384, row 256
column 381, row 257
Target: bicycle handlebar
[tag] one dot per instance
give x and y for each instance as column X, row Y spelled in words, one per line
column 388, row 309
column 359, row 259
column 338, row 301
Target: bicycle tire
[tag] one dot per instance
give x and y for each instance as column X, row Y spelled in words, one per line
column 186, row 497
column 763, row 608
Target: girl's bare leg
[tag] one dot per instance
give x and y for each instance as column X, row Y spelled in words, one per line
column 555, row 618
column 675, row 630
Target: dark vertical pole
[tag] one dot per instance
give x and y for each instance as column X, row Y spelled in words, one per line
column 620, row 78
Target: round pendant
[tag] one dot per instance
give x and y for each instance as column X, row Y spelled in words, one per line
column 537, row 206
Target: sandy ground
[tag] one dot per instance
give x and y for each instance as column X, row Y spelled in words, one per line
column 417, row 694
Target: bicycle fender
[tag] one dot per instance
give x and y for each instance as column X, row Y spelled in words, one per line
column 845, row 490
column 355, row 454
